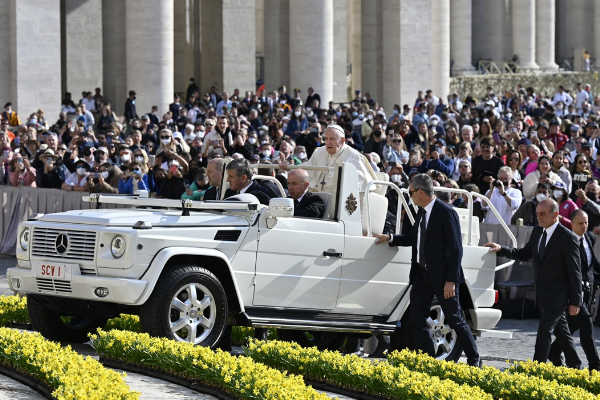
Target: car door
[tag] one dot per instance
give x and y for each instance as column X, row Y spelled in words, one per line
column 291, row 268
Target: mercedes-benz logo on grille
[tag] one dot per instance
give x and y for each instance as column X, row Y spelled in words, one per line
column 61, row 243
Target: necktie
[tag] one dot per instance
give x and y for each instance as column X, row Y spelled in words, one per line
column 296, row 202
column 584, row 260
column 543, row 244
column 422, row 241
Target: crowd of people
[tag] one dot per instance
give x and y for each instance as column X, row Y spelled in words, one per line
column 517, row 147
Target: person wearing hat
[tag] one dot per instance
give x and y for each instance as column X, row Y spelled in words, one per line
column 21, row 173
column 438, row 160
column 130, row 111
column 575, row 132
column 77, row 181
column 49, row 175
column 556, row 136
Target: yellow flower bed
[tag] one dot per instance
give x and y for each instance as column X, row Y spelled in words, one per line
column 588, row 380
column 359, row 374
column 237, row 375
column 72, row 375
column 502, row 385
column 13, row 309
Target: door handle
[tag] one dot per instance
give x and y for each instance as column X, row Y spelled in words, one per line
column 328, row 253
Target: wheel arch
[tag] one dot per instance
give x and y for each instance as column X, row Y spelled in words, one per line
column 210, row 259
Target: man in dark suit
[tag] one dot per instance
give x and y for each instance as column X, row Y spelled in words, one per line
column 589, row 274
column 436, row 268
column 130, row 111
column 557, row 264
column 239, row 176
column 306, row 204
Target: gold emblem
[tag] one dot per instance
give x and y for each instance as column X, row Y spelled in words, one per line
column 351, row 203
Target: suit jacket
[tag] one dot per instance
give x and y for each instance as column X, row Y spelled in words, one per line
column 211, row 193
column 130, row 112
column 254, row 189
column 591, row 273
column 311, row 206
column 443, row 245
column 557, row 271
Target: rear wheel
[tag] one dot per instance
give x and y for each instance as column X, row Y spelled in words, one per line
column 322, row 340
column 59, row 326
column 188, row 304
column 445, row 341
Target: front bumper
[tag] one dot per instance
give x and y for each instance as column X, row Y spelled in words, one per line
column 121, row 291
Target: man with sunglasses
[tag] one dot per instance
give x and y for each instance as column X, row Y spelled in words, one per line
column 436, row 267
column 486, row 166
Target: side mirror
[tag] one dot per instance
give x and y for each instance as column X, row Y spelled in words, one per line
column 281, row 208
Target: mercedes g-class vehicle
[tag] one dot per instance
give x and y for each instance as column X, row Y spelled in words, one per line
column 189, row 268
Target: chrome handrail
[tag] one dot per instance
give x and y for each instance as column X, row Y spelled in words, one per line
column 401, row 201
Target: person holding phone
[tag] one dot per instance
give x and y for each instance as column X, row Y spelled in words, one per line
column 174, row 186
column 543, row 174
column 106, row 180
column 21, row 172
column 77, row 181
column 133, row 180
column 49, row 176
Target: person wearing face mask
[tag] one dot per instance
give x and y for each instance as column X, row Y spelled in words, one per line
column 438, row 160
column 301, row 153
column 297, row 123
column 198, row 187
column 368, row 125
column 105, row 119
column 588, row 201
column 78, row 181
column 565, row 205
column 21, row 172
column 505, row 198
column 527, row 210
column 106, row 180
column 376, row 142
column 353, row 138
column 358, row 120
column 174, row 186
column 542, row 174
column 125, row 158
column 130, row 111
column 133, row 180
column 49, row 175
column 141, row 157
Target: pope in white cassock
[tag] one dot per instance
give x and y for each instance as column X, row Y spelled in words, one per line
column 336, row 150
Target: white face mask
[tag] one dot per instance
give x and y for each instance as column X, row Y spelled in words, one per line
column 165, row 142
column 297, row 113
column 361, row 116
column 139, row 159
column 395, row 178
column 557, row 194
column 252, row 140
column 370, row 117
column 541, row 197
column 266, row 153
column 302, row 155
column 310, row 113
column 105, row 174
column 81, row 171
column 126, row 157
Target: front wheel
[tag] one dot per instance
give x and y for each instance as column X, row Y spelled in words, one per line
column 322, row 340
column 445, row 340
column 188, row 304
column 62, row 327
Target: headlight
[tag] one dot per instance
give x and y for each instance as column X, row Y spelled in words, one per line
column 117, row 246
column 24, row 239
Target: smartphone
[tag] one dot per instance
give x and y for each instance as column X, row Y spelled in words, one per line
column 534, row 133
column 314, row 132
column 85, row 134
column 215, row 143
column 496, row 138
column 151, row 160
column 129, row 173
column 96, row 174
column 392, row 163
column 173, row 168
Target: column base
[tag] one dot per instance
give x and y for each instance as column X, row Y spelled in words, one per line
column 550, row 67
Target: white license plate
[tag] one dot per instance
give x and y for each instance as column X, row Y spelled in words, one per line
column 52, row 270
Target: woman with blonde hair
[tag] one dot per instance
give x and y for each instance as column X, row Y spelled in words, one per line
column 167, row 142
column 141, row 157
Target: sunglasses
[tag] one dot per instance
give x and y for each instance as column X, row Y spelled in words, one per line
column 397, row 141
column 165, row 137
column 582, row 162
column 513, row 159
column 410, row 192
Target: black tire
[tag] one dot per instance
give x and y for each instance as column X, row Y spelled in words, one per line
column 50, row 324
column 322, row 340
column 404, row 338
column 157, row 314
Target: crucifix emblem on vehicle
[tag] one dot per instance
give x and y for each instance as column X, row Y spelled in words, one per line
column 351, row 204
column 62, row 243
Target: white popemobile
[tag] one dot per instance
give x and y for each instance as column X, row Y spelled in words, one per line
column 189, row 268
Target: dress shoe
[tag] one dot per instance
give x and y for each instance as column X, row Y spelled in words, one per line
column 477, row 363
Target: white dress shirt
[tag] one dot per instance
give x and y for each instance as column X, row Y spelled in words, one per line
column 549, row 233
column 427, row 214
column 586, row 246
column 505, row 211
column 246, row 188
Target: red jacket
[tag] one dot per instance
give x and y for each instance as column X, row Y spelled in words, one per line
column 559, row 140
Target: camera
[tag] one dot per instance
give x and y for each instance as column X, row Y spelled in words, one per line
column 497, row 183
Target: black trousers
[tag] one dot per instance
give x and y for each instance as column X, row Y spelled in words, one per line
column 584, row 324
column 421, row 296
column 555, row 321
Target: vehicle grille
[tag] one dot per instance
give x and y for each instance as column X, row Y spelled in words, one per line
column 53, row 285
column 87, row 270
column 228, row 235
column 81, row 244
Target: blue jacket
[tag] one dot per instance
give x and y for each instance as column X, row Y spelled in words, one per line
column 293, row 126
column 126, row 186
column 443, row 164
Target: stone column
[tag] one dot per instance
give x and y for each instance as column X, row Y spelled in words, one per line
column 340, row 51
column 149, row 46
column 354, row 42
column 545, row 18
column 259, row 22
column 523, row 29
column 34, row 49
column 228, row 62
column 311, row 47
column 198, row 44
column 371, row 14
column 277, row 42
column 82, row 46
column 114, row 55
column 440, row 48
column 595, row 52
column 461, row 14
column 391, row 72
column 183, row 31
